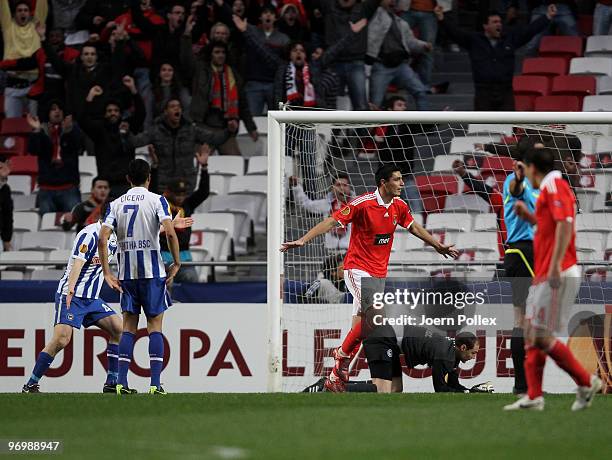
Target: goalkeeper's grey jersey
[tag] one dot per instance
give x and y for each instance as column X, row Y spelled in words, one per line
column 421, row 346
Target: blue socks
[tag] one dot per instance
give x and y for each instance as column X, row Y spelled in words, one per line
column 112, row 354
column 43, row 362
column 126, row 348
column 156, row 355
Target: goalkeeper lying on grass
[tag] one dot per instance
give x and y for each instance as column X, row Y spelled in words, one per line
column 419, row 346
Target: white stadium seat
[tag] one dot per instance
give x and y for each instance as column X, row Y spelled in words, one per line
column 85, row 185
column 20, row 184
column 24, row 202
column 26, row 221
column 591, row 66
column 244, row 211
column 11, row 275
column 477, row 241
column 589, row 246
column 48, row 222
column 475, row 128
column 260, row 122
column 60, row 256
column 22, row 256
column 258, row 165
column 47, row 274
column 599, row 45
column 594, row 222
column 603, row 144
column 466, row 144
column 219, row 184
column 597, row 103
column 44, row 241
column 485, row 222
column 604, row 85
column 404, row 241
column 587, row 197
column 448, row 222
column 218, row 227
column 248, row 147
column 444, row 163
column 87, row 166
column 226, row 165
column 254, row 187
column 466, row 202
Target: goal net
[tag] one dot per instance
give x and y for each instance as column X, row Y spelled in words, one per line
column 454, row 166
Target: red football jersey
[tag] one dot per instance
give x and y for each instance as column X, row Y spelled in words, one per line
column 556, row 203
column 373, row 226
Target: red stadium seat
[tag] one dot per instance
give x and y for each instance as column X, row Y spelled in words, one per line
column 25, row 164
column 558, row 104
column 547, row 66
column 12, row 145
column 574, row 85
column 497, row 164
column 565, row 47
column 526, row 88
column 16, row 125
column 435, row 188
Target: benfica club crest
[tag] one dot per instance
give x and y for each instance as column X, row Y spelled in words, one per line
column 394, row 219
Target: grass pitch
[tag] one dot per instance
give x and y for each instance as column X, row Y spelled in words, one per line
column 307, row 426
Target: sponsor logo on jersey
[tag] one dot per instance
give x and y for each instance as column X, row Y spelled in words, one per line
column 394, row 219
column 382, row 239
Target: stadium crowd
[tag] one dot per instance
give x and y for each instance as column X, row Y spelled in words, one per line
column 176, row 76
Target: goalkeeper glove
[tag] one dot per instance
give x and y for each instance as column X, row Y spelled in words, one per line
column 486, row 387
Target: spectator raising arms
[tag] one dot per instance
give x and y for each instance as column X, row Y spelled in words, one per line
column 57, row 145
column 6, row 207
column 90, row 210
column 176, row 141
column 21, row 40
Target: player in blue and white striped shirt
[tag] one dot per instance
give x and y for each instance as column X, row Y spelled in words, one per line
column 136, row 217
column 77, row 303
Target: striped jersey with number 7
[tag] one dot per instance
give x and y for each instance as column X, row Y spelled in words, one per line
column 135, row 217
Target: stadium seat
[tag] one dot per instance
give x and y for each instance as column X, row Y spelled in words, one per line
column 258, row 165
column 589, row 246
column 218, row 227
column 565, row 47
column 24, row 202
column 466, row 202
column 20, row 185
column 478, row 129
column 255, row 188
column 481, row 242
column 13, row 145
column 443, row 163
column 50, row 221
column 226, row 165
column 25, row 165
column 245, row 213
column 462, row 145
column 485, row 222
column 249, row 148
column 597, row 103
column 497, row 164
column 44, row 241
column 599, row 45
column 405, row 241
column 60, row 256
column 546, row 66
column 85, row 185
column 11, row 275
column 594, row 222
column 557, row 104
column 219, row 184
column 260, row 122
column 591, row 66
column 47, row 274
column 526, row 88
column 574, row 85
column 88, row 166
column 26, row 222
column 604, row 85
column 587, row 198
column 434, row 189
column 15, row 126
column 448, row 222
column 22, row 256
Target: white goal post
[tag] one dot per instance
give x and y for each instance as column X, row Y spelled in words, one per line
column 276, row 179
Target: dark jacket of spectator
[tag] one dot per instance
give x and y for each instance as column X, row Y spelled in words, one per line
column 175, row 149
column 494, row 64
column 201, row 72
column 56, row 167
column 64, row 13
column 6, row 213
column 337, row 26
column 275, row 44
column 322, row 79
column 106, row 9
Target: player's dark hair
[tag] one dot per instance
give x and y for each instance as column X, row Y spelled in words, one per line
column 340, row 175
column 97, row 179
column 385, row 172
column 543, row 159
column 138, row 171
column 466, row 338
column 491, row 13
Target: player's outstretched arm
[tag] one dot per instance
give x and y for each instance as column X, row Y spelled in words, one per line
column 173, row 245
column 73, row 276
column 446, row 250
column 110, row 279
column 179, row 223
column 322, row 227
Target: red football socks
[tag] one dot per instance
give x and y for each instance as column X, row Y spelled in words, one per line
column 534, row 371
column 352, row 339
column 566, row 360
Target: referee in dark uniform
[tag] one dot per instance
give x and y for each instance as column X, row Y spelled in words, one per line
column 420, row 346
column 518, row 260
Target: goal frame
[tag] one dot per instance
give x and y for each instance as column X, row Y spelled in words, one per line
column 277, row 120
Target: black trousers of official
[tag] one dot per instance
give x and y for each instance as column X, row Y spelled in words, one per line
column 518, row 267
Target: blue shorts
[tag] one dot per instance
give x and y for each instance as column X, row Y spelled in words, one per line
column 82, row 312
column 149, row 294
